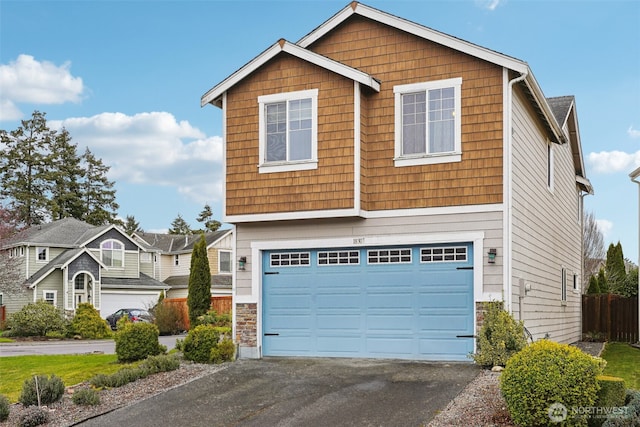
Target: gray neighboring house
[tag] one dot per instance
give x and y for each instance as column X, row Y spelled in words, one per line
column 68, row 262
column 172, row 260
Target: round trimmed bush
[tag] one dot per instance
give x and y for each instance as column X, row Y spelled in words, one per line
column 545, row 373
column 137, row 341
column 33, row 416
column 223, row 352
column 86, row 397
column 51, row 390
column 199, row 342
column 88, row 324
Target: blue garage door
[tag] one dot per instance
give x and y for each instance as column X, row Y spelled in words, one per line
column 408, row 302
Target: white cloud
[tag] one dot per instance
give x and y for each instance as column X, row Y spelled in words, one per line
column 614, row 161
column 36, row 82
column 633, row 133
column 605, row 227
column 489, row 4
column 152, row 148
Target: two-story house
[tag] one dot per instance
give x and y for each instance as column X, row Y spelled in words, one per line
column 172, row 253
column 384, row 181
column 68, row 262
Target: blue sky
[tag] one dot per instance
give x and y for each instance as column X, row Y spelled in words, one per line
column 125, row 78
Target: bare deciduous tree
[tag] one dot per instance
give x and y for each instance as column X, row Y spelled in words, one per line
column 593, row 251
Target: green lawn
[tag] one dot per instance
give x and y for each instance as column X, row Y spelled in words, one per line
column 3, row 339
column 623, row 361
column 73, row 369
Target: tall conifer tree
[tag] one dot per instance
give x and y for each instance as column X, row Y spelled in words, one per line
column 199, row 298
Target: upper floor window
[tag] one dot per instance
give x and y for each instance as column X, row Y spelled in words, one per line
column 176, row 260
column 42, row 254
column 563, row 285
column 224, row 262
column 288, row 131
column 112, row 253
column 145, row 257
column 427, row 123
column 550, row 166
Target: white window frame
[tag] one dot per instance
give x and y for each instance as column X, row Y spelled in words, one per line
column 283, row 166
column 563, row 286
column 146, row 257
column 428, row 158
column 338, row 257
column 55, row 296
column 575, row 282
column 386, row 256
column 289, row 259
column 176, row 260
column 21, row 251
column 46, row 254
column 112, row 250
column 220, row 271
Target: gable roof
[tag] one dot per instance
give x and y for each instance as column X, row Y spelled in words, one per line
column 214, row 95
column 560, row 107
column 141, row 283
column 218, row 281
column 60, row 262
column 178, row 243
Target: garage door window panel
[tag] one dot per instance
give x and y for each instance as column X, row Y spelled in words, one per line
column 290, row 259
column 443, row 254
column 389, row 256
column 338, row 258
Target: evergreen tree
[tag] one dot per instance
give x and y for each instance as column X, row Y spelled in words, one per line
column 199, row 297
column 615, row 269
column 594, row 288
column 11, row 276
column 206, row 217
column 603, row 285
column 179, row 226
column 23, row 169
column 630, row 288
column 65, row 176
column 131, row 225
column 98, row 193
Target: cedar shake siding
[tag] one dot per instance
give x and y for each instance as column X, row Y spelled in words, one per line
column 330, row 186
column 396, row 58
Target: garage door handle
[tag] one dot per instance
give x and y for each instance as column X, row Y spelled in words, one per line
column 270, row 335
column 465, row 336
column 271, row 272
column 464, row 268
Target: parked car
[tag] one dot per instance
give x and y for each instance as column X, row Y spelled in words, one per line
column 134, row 314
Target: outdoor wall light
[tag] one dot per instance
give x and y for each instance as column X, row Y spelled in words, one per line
column 492, row 255
column 242, row 262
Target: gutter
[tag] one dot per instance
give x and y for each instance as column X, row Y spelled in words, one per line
column 507, row 272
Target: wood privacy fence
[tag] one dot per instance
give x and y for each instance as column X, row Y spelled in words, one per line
column 3, row 314
column 613, row 316
column 222, row 305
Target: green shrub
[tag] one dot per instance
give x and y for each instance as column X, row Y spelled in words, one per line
column 36, row 319
column 199, row 342
column 56, row 335
column 86, row 397
column 631, row 412
column 161, row 363
column 4, row 408
column 545, row 373
column 500, row 337
column 223, row 352
column 51, row 390
column 214, row 319
column 33, row 416
column 169, row 319
column 136, row 341
column 88, row 324
column 611, row 394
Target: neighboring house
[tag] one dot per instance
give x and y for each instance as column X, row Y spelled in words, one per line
column 385, row 180
column 68, row 262
column 172, row 253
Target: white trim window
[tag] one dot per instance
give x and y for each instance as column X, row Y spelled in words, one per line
column 50, row 297
column 563, row 287
column 42, row 254
column 224, row 262
column 112, row 253
column 288, row 135
column 427, row 122
column 176, row 260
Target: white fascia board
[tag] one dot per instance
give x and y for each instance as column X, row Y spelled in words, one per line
column 214, row 94
column 281, row 216
column 635, row 174
column 415, row 29
column 540, row 99
column 219, row 238
column 585, row 182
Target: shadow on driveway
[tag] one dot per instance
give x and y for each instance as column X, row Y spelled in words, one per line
column 304, row 392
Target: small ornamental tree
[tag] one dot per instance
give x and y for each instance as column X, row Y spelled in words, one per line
column 88, row 324
column 199, row 298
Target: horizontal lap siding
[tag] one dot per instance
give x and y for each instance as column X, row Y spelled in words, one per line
column 395, row 58
column 328, row 187
column 546, row 230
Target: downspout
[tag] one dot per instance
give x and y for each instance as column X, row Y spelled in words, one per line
column 508, row 211
column 634, row 177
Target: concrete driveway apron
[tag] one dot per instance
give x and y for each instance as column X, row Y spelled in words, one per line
column 304, row 392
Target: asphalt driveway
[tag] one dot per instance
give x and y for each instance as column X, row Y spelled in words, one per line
column 304, row 392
